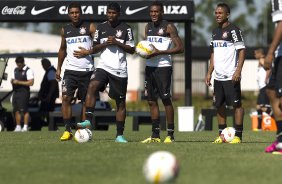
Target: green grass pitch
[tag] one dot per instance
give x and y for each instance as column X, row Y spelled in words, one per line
column 40, row 158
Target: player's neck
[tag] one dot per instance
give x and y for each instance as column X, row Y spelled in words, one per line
column 224, row 24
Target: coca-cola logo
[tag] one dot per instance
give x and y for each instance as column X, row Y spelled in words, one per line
column 18, row 10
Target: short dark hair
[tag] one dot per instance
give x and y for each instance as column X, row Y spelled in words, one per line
column 114, row 6
column 158, row 3
column 46, row 61
column 19, row 59
column 74, row 5
column 225, row 6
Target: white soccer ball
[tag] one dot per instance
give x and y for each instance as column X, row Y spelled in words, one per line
column 228, row 134
column 161, row 167
column 144, row 48
column 82, row 135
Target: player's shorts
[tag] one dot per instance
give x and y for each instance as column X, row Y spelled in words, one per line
column 275, row 81
column 20, row 100
column 157, row 82
column 228, row 93
column 118, row 85
column 74, row 80
column 263, row 99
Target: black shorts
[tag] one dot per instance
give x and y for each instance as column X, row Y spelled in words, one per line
column 262, row 99
column 20, row 100
column 275, row 81
column 74, row 80
column 227, row 93
column 158, row 82
column 118, row 85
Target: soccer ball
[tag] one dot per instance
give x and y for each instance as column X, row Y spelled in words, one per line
column 228, row 134
column 144, row 48
column 83, row 135
column 161, row 167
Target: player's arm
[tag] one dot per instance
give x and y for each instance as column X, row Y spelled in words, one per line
column 210, row 69
column 128, row 46
column 273, row 46
column 61, row 55
column 237, row 74
column 23, row 83
column 178, row 46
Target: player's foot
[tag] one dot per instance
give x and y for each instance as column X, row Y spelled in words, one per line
column 66, row 136
column 24, row 129
column 18, row 129
column 218, row 140
column 121, row 139
column 151, row 140
column 236, row 140
column 272, row 147
column 84, row 124
column 169, row 139
column 257, row 130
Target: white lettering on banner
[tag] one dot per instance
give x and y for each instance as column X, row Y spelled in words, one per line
column 175, row 10
column 63, row 10
column 102, row 10
column 18, row 10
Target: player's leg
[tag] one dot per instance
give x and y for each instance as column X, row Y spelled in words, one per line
column 152, row 97
column 219, row 99
column 17, row 111
column 163, row 82
column 274, row 92
column 233, row 98
column 118, row 89
column 69, row 85
column 97, row 81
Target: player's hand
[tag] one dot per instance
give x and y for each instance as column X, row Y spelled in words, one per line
column 236, row 76
column 268, row 61
column 82, row 52
column 154, row 53
column 208, row 80
column 112, row 40
column 58, row 75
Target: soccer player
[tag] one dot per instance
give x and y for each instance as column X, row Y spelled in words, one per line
column 162, row 35
column 113, row 39
column 22, row 79
column 262, row 79
column 274, row 87
column 77, row 70
column 227, row 59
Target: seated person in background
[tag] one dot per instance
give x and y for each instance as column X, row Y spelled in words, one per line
column 49, row 88
column 262, row 79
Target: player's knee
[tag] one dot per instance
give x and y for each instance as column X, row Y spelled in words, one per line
column 152, row 103
column 167, row 102
column 237, row 104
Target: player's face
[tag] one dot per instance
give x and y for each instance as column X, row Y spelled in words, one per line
column 221, row 15
column 20, row 65
column 74, row 14
column 156, row 13
column 112, row 15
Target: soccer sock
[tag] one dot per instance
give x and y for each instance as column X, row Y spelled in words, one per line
column 221, row 127
column 239, row 131
column 89, row 113
column 120, row 127
column 25, row 126
column 155, row 128
column 170, row 129
column 259, row 111
column 68, row 124
column 279, row 130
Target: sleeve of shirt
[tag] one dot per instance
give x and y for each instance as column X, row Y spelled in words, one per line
column 96, row 39
column 29, row 74
column 129, row 39
column 13, row 75
column 276, row 10
column 51, row 75
column 237, row 38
